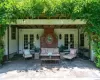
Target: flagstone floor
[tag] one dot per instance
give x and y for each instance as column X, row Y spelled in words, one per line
column 33, row 70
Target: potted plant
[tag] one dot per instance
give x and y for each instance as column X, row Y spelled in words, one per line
column 37, row 49
column 61, row 48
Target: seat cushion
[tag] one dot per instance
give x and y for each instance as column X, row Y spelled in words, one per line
column 69, row 56
column 49, row 55
column 73, row 51
column 27, row 56
column 43, row 50
column 27, row 52
column 50, row 50
column 56, row 50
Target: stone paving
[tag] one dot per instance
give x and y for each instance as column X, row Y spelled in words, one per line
column 33, row 70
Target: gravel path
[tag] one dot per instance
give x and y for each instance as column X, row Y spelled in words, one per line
column 32, row 70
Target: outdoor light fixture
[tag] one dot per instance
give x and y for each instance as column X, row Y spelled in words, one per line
column 60, row 36
column 37, row 36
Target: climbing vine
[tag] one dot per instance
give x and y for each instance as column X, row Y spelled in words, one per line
column 87, row 10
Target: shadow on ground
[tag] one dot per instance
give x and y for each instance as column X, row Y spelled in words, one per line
column 31, row 64
column 33, row 68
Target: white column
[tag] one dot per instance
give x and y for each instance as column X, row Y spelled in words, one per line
column 92, row 52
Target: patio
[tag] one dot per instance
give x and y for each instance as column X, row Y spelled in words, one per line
column 32, row 69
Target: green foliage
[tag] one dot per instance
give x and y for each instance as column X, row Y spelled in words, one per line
column 97, row 53
column 14, row 9
column 89, row 10
column 1, row 54
column 37, row 49
column 62, row 48
column 2, row 30
column 1, row 50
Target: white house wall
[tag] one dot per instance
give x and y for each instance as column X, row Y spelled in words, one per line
column 29, row 31
column 40, row 32
column 12, row 43
column 67, row 31
column 86, row 39
column 5, row 42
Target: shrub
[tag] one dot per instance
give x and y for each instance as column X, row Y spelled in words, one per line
column 97, row 54
column 1, row 50
column 1, row 54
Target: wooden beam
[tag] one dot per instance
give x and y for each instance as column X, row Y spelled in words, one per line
column 48, row 22
column 42, row 26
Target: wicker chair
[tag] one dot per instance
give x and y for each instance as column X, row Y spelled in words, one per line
column 27, row 53
column 71, row 55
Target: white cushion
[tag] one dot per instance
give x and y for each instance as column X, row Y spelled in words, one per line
column 43, row 50
column 27, row 56
column 56, row 50
column 73, row 51
column 69, row 56
column 50, row 50
column 27, row 51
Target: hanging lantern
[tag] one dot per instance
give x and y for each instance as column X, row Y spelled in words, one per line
column 37, row 36
column 60, row 36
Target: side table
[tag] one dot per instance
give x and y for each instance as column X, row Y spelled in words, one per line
column 36, row 55
column 61, row 55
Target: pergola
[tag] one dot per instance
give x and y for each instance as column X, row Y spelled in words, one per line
column 40, row 23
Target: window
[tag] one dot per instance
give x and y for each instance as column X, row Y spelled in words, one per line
column 25, row 41
column 72, row 40
column 66, row 40
column 28, row 41
column 81, row 39
column 31, row 41
column 13, row 33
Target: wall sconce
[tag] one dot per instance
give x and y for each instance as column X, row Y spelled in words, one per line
column 20, row 30
column 60, row 36
column 37, row 36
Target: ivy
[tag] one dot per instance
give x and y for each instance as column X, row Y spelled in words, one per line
column 88, row 10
